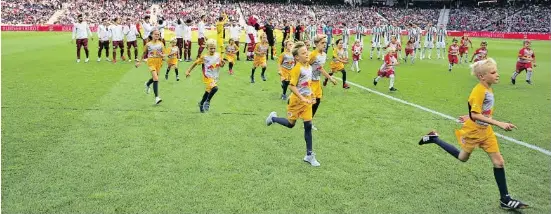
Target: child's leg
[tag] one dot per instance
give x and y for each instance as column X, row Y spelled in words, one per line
column 284, row 86
column 391, row 81
column 432, row 137
column 378, row 52
column 263, row 71
column 529, row 75
column 344, row 85
column 316, row 106
column 284, row 122
column 371, row 52
column 211, row 93
column 308, row 136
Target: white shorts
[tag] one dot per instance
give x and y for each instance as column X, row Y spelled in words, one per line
column 375, row 44
column 440, row 44
column 416, row 45
column 429, row 44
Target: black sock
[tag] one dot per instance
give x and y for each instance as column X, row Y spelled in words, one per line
column 149, row 82
column 205, row 96
column 231, row 65
column 315, row 106
column 156, row 88
column 176, row 71
column 447, row 147
column 86, row 52
column 263, row 70
column 499, row 174
column 308, row 136
column 283, row 122
column 284, row 86
column 252, row 72
column 167, row 70
column 212, row 92
column 343, row 77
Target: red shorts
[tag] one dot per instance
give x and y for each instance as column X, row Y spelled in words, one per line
column 463, row 50
column 82, row 43
column 386, row 73
column 132, row 44
column 119, row 44
column 409, row 52
column 180, row 42
column 187, row 44
column 523, row 66
column 201, row 42
column 355, row 57
column 452, row 59
column 250, row 48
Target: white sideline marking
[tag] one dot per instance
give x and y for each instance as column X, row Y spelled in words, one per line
column 510, row 139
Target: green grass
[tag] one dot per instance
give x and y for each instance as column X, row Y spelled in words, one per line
column 85, row 138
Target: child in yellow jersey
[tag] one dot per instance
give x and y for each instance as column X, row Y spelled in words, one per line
column 337, row 64
column 317, row 60
column 477, row 130
column 153, row 52
column 212, row 62
column 300, row 102
column 231, row 52
column 260, row 51
column 173, row 56
column 286, row 62
column 220, row 32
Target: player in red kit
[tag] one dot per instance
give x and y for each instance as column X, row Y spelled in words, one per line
column 394, row 44
column 387, row 69
column 356, row 54
column 453, row 51
column 464, row 48
column 480, row 53
column 410, row 50
column 526, row 59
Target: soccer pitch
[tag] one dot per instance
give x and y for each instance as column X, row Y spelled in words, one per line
column 86, row 138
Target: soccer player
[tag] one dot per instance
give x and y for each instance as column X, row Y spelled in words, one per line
column 453, row 53
column 235, row 30
column 286, row 62
column 269, row 30
column 477, row 130
column 417, row 35
column 117, row 38
column 187, row 40
column 410, row 50
column 395, row 45
column 387, row 32
column 397, row 32
column 312, row 32
column 300, row 102
column 81, row 32
column 526, row 59
column 441, row 35
column 161, row 24
column 317, row 60
column 201, row 35
column 231, row 51
column 220, row 31
column 212, row 62
column 103, row 39
column 147, row 28
column 430, row 33
column 131, row 31
column 345, row 38
column 376, row 34
column 173, row 56
column 337, row 64
column 387, row 69
column 328, row 30
column 480, row 53
column 154, row 52
column 464, row 48
column 179, row 33
column 360, row 31
column 356, row 54
column 260, row 50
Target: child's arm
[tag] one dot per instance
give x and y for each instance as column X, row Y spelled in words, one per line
column 295, row 91
column 503, row 125
column 326, row 75
column 188, row 72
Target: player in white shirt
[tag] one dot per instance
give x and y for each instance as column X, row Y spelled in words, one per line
column 130, row 30
column 418, row 33
column 201, row 35
column 103, row 39
column 161, row 24
column 312, row 32
column 147, row 29
column 117, row 38
column 441, row 35
column 179, row 33
column 387, row 31
column 345, row 38
column 430, row 34
column 376, row 36
column 187, row 40
column 397, row 32
column 235, row 31
column 81, row 32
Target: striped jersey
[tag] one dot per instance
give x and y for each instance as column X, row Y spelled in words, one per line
column 441, row 34
column 376, row 33
column 430, row 34
column 396, row 31
column 359, row 32
column 388, row 30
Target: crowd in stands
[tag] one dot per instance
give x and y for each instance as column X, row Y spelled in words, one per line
column 29, row 11
column 520, row 19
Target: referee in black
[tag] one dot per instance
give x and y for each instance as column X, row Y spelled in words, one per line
column 269, row 30
column 286, row 34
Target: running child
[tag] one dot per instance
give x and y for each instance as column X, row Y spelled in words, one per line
column 387, row 69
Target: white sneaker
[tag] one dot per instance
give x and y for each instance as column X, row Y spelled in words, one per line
column 78, row 60
column 179, row 60
column 99, row 59
column 311, row 159
column 314, row 127
column 269, row 120
column 158, row 100
column 86, row 60
column 108, row 60
column 130, row 60
column 147, row 88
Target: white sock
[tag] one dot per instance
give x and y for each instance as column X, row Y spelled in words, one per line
column 377, row 78
column 378, row 52
column 515, row 74
column 357, row 65
column 529, row 75
column 438, row 52
column 371, row 53
column 430, row 52
column 391, row 81
column 450, row 66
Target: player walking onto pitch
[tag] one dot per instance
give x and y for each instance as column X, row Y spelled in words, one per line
column 103, row 39
column 153, row 50
column 232, row 50
column 453, row 54
column 212, row 62
column 526, row 59
column 260, row 51
column 480, row 53
column 173, row 56
column 441, row 35
column 117, row 38
column 410, row 50
column 317, row 60
column 356, row 55
column 286, row 62
column 387, row 69
column 130, row 30
column 464, row 48
column 81, row 32
column 376, row 34
column 430, row 33
column 300, row 102
column 477, row 129
column 220, row 31
column 337, row 64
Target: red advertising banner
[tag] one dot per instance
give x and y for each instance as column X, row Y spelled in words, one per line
column 483, row 34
